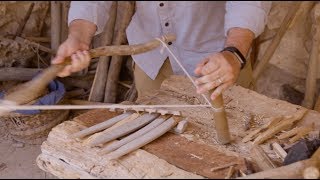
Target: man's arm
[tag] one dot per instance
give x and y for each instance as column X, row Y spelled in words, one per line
column 86, row 18
column 243, row 22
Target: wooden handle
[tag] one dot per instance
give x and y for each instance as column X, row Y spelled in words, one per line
column 220, row 118
column 125, row 50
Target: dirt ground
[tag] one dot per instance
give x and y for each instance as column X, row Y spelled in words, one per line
column 19, row 162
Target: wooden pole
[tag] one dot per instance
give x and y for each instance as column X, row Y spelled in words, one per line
column 116, row 62
column 25, row 20
column 55, row 24
column 276, row 40
column 100, row 78
column 311, row 81
column 64, row 20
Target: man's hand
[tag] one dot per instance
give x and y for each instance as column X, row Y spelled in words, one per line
column 76, row 46
column 220, row 71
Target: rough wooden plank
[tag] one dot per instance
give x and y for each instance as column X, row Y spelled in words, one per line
column 192, row 156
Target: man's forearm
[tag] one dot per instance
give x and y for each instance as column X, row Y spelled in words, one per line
column 83, row 30
column 240, row 38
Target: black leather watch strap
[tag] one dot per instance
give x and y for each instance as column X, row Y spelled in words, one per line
column 238, row 54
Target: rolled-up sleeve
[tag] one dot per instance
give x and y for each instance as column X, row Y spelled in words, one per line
column 96, row 12
column 251, row 15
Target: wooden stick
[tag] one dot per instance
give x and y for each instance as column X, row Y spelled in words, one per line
column 154, row 124
column 291, row 171
column 252, row 134
column 279, row 151
column 276, row 40
column 35, row 45
column 124, row 129
column 17, row 74
column 29, row 91
column 280, row 126
column 222, row 167
column 303, row 132
column 43, row 19
column 93, row 137
column 294, row 131
column 25, row 20
column 116, row 61
column 101, row 126
column 55, row 24
column 144, row 139
column 64, row 20
column 230, row 172
column 38, row 39
column 311, row 81
column 100, row 78
column 261, row 158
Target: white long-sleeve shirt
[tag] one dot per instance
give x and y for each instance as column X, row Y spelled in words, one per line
column 200, row 27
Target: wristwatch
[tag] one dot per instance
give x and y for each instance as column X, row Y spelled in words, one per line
column 238, row 54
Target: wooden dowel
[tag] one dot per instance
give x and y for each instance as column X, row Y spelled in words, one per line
column 276, row 40
column 124, row 129
column 144, row 139
column 101, row 126
column 154, row 124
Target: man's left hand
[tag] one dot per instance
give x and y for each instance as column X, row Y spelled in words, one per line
column 219, row 71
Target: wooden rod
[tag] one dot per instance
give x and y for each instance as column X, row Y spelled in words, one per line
column 276, row 40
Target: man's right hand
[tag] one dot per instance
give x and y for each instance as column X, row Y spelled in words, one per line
column 76, row 46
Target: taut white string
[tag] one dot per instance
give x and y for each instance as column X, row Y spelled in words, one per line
column 186, row 72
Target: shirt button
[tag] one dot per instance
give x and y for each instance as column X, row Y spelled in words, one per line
column 169, row 43
column 166, row 24
column 161, row 4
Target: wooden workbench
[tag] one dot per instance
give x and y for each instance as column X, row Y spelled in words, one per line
column 190, row 155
